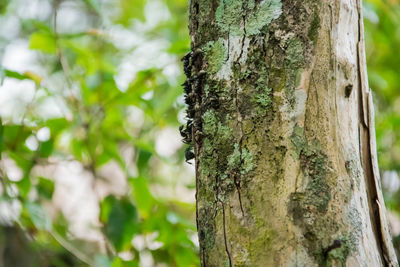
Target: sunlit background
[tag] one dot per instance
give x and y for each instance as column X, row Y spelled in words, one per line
column 92, row 165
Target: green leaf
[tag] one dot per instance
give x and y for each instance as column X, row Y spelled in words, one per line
column 143, row 159
column 45, row 149
column 165, row 101
column 118, row 262
column 143, row 198
column 22, row 161
column 24, row 185
column 56, row 125
column 3, row 6
column 110, row 152
column 60, row 224
column 39, row 216
column 14, row 74
column 120, row 218
column 131, row 9
column 19, row 76
column 42, row 41
column 94, row 5
column 45, row 187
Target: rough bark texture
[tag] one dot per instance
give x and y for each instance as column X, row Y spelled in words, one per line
column 280, row 115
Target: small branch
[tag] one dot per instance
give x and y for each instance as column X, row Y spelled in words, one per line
column 74, row 251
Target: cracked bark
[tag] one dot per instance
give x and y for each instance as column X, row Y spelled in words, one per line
column 286, row 165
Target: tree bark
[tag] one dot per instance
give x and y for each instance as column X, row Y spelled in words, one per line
column 281, row 118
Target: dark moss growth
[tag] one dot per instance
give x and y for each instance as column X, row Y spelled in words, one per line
column 298, row 139
column 296, row 208
column 278, row 157
column 313, row 163
column 313, row 31
column 263, row 97
column 206, row 228
column 341, row 253
column 309, row 209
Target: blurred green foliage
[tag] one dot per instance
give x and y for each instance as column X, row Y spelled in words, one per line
column 94, row 124
column 108, row 100
column 382, row 21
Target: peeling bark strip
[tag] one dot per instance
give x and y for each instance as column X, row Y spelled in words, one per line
column 286, row 169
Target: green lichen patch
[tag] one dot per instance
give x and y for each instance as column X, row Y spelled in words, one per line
column 247, row 162
column 207, row 90
column 221, row 161
column 229, row 15
column 209, row 123
column 264, row 99
column 224, row 133
column 208, row 148
column 234, row 159
column 294, row 54
column 215, row 129
column 240, row 160
column 216, row 54
column 207, row 167
column 266, row 11
column 293, row 64
column 217, row 134
column 255, row 95
column 232, row 18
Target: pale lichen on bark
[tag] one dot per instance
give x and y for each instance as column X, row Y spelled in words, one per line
column 246, row 17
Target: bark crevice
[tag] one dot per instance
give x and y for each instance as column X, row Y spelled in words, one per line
column 225, row 235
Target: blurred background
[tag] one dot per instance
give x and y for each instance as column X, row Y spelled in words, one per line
column 92, row 169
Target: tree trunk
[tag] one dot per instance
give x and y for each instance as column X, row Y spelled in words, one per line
column 283, row 130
